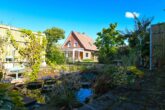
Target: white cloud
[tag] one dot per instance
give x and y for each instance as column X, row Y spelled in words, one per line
column 131, row 14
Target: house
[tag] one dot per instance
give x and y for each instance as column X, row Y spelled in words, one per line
column 9, row 56
column 79, row 46
column 157, row 44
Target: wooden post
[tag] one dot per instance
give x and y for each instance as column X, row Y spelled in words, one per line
column 73, row 55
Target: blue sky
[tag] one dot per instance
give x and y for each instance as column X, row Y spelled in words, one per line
column 88, row 16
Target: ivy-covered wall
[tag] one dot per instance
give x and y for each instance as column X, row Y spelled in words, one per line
column 8, row 49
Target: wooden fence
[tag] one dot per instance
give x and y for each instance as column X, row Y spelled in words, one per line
column 158, row 44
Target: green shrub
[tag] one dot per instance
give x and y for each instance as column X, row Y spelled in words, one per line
column 65, row 100
column 64, row 94
column 87, row 60
column 64, row 68
column 10, row 99
column 36, row 94
column 135, row 71
column 109, row 69
column 55, row 55
column 103, row 84
column 129, row 59
column 73, row 68
column 80, row 68
column 122, row 79
column 112, row 76
column 71, row 81
column 1, row 75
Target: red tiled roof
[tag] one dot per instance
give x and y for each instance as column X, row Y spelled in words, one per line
column 86, row 41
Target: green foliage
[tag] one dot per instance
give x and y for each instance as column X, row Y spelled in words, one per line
column 1, row 75
column 122, row 79
column 129, row 59
column 103, row 84
column 73, row 68
column 10, row 99
column 123, row 51
column 56, row 56
column 69, row 68
column 87, row 60
column 112, row 76
column 71, row 82
column 107, row 42
column 35, row 69
column 53, row 35
column 136, row 71
column 65, row 100
column 109, row 69
column 64, row 95
column 140, row 32
column 36, row 94
column 65, row 68
column 33, row 50
column 2, row 42
column 53, row 51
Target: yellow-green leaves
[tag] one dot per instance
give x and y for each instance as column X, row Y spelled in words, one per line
column 135, row 71
column 32, row 50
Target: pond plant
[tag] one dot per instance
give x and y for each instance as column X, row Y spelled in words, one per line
column 113, row 76
column 63, row 96
column 10, row 99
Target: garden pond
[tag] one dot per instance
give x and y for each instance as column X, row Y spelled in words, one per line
column 45, row 89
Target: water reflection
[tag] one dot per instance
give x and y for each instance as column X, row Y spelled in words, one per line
column 83, row 94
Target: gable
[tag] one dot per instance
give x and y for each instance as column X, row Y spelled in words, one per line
column 86, row 41
column 82, row 40
column 73, row 42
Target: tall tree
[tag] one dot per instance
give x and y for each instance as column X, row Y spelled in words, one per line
column 139, row 38
column 53, row 52
column 107, row 42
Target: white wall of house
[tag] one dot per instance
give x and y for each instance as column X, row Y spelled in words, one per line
column 87, row 55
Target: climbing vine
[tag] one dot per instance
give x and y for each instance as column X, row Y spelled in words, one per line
column 32, row 50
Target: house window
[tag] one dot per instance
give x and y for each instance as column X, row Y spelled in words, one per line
column 75, row 44
column 86, row 54
column 69, row 44
column 9, row 59
column 67, row 55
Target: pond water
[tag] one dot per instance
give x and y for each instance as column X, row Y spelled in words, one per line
column 88, row 76
column 83, row 93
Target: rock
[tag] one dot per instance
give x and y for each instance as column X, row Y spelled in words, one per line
column 28, row 101
column 100, row 103
column 131, row 106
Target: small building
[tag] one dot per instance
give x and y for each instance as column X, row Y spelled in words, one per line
column 79, row 47
column 158, row 44
column 10, row 56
